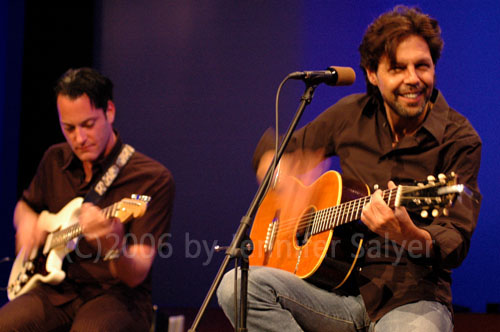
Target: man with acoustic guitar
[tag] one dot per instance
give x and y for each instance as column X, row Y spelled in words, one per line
column 102, row 282
column 398, row 256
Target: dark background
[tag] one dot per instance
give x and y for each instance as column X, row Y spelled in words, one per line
column 195, row 83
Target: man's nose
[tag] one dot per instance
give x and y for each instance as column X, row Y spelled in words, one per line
column 411, row 76
column 80, row 135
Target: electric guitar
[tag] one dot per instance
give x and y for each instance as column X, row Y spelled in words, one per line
column 302, row 238
column 45, row 264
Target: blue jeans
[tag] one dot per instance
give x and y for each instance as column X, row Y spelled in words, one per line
column 279, row 301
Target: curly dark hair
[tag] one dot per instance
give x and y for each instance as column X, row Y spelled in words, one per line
column 383, row 36
column 76, row 82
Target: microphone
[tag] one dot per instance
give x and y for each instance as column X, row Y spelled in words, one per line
column 333, row 75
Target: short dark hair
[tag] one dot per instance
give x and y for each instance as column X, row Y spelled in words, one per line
column 76, row 82
column 383, row 36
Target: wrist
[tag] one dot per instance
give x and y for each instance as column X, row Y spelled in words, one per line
column 114, row 254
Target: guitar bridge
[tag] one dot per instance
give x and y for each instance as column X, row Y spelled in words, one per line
column 272, row 230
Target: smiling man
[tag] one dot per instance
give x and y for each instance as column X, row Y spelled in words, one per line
column 107, row 277
column 401, row 130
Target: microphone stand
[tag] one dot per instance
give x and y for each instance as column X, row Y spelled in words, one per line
column 241, row 246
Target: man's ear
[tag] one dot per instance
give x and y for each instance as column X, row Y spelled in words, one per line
column 372, row 77
column 110, row 112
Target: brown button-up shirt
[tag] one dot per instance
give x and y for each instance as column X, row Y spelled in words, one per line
column 60, row 178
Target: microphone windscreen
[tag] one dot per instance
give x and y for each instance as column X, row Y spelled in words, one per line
column 346, row 75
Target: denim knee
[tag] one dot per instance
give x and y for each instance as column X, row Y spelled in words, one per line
column 225, row 292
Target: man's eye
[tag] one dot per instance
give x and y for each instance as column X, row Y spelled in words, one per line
column 89, row 124
column 397, row 69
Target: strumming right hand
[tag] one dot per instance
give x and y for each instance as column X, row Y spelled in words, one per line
column 306, row 165
column 28, row 233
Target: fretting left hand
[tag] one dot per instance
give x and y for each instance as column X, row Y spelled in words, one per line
column 395, row 224
column 104, row 233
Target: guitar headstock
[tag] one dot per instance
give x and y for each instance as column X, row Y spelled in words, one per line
column 129, row 208
column 434, row 196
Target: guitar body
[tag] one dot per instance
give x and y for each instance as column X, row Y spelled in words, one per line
column 284, row 237
column 44, row 264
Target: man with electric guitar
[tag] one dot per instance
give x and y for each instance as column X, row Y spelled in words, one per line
column 338, row 253
column 89, row 224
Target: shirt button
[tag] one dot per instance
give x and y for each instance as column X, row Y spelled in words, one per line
column 360, row 269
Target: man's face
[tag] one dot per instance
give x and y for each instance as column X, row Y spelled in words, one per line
column 407, row 85
column 87, row 130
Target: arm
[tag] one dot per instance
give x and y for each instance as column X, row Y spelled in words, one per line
column 445, row 240
column 396, row 225
column 28, row 234
column 305, row 164
column 107, row 234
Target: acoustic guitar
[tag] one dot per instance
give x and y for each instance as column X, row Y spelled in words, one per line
column 301, row 238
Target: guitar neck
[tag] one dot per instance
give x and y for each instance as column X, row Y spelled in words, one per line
column 63, row 236
column 329, row 218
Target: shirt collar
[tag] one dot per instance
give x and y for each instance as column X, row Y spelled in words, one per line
column 435, row 121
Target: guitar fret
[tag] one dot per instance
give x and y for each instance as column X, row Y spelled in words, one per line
column 324, row 226
column 330, row 218
column 334, row 217
column 338, row 214
column 346, row 213
column 341, row 215
column 357, row 209
column 315, row 222
column 328, row 213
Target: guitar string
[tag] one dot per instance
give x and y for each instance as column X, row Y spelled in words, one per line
column 344, row 209
column 337, row 215
column 332, row 214
column 65, row 235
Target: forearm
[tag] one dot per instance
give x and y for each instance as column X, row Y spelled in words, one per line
column 28, row 234
column 133, row 264
column 24, row 215
column 416, row 241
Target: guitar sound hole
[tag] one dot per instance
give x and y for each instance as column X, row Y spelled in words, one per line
column 304, row 228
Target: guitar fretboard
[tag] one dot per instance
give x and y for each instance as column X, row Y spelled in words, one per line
column 67, row 234
column 344, row 213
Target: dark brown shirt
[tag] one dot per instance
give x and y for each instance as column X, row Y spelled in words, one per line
column 357, row 131
column 60, row 178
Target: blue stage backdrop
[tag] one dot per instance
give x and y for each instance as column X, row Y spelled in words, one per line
column 195, row 87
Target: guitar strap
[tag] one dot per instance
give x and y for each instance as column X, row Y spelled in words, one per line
column 113, row 167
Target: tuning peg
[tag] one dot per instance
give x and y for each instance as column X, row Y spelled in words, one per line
column 442, row 178
column 431, row 179
column 446, row 212
column 424, row 214
column 435, row 213
column 144, row 198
